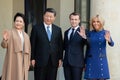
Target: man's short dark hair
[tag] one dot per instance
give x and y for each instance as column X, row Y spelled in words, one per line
column 74, row 13
column 50, row 10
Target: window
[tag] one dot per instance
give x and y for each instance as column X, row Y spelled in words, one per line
column 83, row 7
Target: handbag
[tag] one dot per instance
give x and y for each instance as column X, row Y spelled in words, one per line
column 31, row 68
column 0, row 77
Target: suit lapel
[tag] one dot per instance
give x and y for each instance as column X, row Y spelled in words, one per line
column 44, row 31
column 66, row 35
column 53, row 32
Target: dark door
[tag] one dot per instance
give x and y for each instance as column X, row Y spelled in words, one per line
column 34, row 11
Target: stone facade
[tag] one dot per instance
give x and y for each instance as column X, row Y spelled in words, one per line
column 108, row 9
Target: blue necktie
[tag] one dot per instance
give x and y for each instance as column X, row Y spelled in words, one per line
column 48, row 33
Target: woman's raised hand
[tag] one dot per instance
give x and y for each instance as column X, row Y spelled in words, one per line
column 5, row 35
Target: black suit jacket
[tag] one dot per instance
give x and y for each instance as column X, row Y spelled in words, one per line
column 74, row 49
column 43, row 49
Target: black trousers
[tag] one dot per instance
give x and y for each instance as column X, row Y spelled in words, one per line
column 49, row 72
column 73, row 73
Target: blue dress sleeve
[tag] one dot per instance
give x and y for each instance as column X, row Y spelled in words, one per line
column 111, row 43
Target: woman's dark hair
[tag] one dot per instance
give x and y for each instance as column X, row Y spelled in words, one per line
column 50, row 10
column 19, row 15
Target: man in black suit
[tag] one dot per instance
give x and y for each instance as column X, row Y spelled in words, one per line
column 74, row 41
column 47, row 47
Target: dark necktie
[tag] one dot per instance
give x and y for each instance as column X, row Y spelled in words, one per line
column 72, row 34
column 48, row 33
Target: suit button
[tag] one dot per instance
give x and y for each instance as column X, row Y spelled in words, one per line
column 50, row 44
column 89, row 74
column 99, row 43
column 90, row 64
column 101, row 59
column 101, row 74
column 89, row 69
column 101, row 69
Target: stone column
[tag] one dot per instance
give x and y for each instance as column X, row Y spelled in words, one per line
column 5, row 23
column 110, row 11
column 8, row 8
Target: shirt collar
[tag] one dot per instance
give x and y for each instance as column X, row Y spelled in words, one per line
column 47, row 25
column 75, row 27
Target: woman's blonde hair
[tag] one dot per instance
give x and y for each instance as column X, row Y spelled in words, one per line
column 100, row 19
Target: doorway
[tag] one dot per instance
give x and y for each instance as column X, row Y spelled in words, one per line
column 34, row 11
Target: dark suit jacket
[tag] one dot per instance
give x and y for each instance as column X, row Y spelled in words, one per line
column 74, row 50
column 43, row 49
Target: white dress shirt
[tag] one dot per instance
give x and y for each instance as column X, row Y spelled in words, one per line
column 21, row 37
column 47, row 26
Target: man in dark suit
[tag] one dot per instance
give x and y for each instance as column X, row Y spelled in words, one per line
column 74, row 41
column 47, row 47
